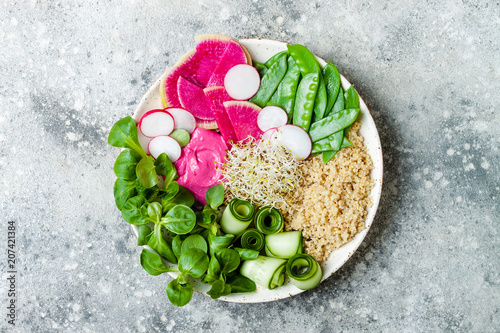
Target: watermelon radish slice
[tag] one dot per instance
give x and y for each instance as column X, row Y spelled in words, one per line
column 143, row 140
column 193, row 99
column 156, row 122
column 183, row 119
column 233, row 55
column 243, row 116
column 168, row 87
column 217, row 96
column 165, row 144
column 242, row 82
column 271, row 117
column 206, row 124
column 295, row 139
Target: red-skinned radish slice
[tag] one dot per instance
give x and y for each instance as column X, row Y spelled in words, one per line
column 269, row 136
column 242, row 82
column 183, row 119
column 271, row 117
column 243, row 116
column 143, row 140
column 165, row 144
column 156, row 122
column 295, row 139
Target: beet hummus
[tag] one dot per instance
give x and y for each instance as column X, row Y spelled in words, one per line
column 197, row 166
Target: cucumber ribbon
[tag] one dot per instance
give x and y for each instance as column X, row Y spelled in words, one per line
column 265, row 271
column 237, row 216
column 304, row 271
column 284, row 244
column 269, row 220
column 252, row 239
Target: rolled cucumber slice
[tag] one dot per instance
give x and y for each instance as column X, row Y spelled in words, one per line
column 284, row 244
column 237, row 216
column 304, row 271
column 266, row 272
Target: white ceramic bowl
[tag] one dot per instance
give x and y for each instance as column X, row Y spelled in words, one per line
column 261, row 50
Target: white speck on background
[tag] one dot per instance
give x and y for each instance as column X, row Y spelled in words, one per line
column 224, row 14
column 70, row 266
column 428, row 184
column 73, row 136
column 170, row 325
column 78, row 105
column 484, row 164
column 438, row 175
column 450, row 152
column 279, row 20
column 466, row 146
column 459, row 199
column 14, row 22
column 244, row 19
column 469, row 167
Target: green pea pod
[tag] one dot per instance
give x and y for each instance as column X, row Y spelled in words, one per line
column 270, row 82
column 304, row 59
column 328, row 155
column 321, row 100
column 274, row 58
column 332, row 142
column 284, row 96
column 351, row 98
column 304, row 100
column 331, row 124
column 261, row 68
column 346, row 143
column 339, row 102
column 332, row 82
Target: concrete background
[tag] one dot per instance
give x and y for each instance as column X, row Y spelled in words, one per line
column 428, row 70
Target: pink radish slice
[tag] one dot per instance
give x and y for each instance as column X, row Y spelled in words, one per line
column 295, row 139
column 217, row 96
column 243, row 116
column 183, row 119
column 271, row 117
column 193, row 99
column 242, row 82
column 165, row 144
column 156, row 122
column 143, row 140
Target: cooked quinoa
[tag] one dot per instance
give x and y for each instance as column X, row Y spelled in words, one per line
column 330, row 205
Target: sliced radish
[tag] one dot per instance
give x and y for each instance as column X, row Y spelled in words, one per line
column 269, row 138
column 242, row 82
column 143, row 140
column 295, row 139
column 165, row 144
column 271, row 117
column 156, row 122
column 183, row 119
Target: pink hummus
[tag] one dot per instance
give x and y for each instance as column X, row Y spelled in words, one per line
column 197, row 164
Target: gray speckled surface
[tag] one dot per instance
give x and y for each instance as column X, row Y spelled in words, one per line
column 428, row 70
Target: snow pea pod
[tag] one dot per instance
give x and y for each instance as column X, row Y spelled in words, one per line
column 304, row 59
column 332, row 82
column 307, row 63
column 261, row 68
column 339, row 103
column 351, row 98
column 274, row 58
column 284, row 96
column 328, row 155
column 304, row 101
column 270, row 82
column 331, row 124
column 332, row 142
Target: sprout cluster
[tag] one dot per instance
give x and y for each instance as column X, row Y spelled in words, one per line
column 261, row 173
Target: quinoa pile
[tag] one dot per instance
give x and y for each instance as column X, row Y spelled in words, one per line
column 330, row 205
